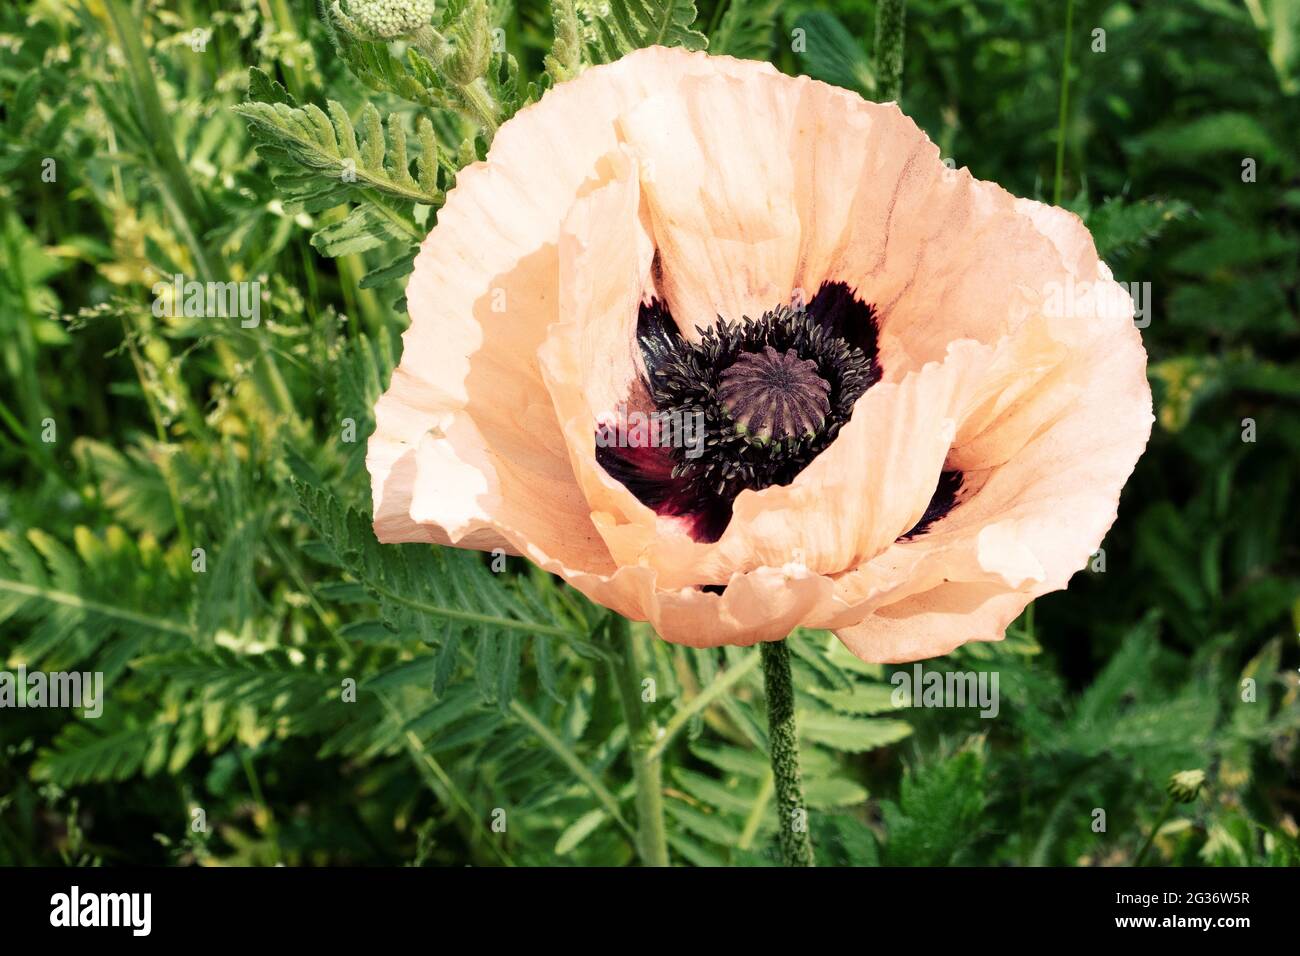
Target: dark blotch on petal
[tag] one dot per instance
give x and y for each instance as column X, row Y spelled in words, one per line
column 840, row 312
column 657, row 333
column 941, row 502
column 647, row 472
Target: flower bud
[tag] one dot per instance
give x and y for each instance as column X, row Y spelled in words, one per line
column 1185, row 785
column 390, row 19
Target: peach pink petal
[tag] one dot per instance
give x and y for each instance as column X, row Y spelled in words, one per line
column 728, row 188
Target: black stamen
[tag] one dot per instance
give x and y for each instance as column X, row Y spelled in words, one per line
column 761, row 397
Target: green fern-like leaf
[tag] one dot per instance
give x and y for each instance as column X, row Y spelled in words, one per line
column 565, row 59
column 437, row 595
column 936, row 811
column 343, row 157
column 75, row 602
column 131, row 484
column 86, row 752
column 372, row 63
column 419, row 581
column 746, row 29
column 453, row 67
column 850, row 734
column 364, row 227
column 634, row 24
column 832, row 54
column 1119, row 226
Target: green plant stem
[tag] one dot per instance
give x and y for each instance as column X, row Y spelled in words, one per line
column 891, row 16
column 255, row 789
column 572, row 761
column 87, row 606
column 756, row 812
column 178, row 189
column 474, row 95
column 481, row 105
column 1064, row 107
column 652, row 841
column 188, row 212
column 1160, row 821
column 168, row 464
column 717, row 687
column 294, row 76
column 783, row 744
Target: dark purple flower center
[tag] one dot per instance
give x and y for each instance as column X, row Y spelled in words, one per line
column 774, row 395
column 749, row 404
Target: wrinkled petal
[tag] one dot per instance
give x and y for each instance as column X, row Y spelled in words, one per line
column 724, row 187
column 484, row 291
column 1049, row 472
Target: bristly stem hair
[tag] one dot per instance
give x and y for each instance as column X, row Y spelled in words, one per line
column 783, row 747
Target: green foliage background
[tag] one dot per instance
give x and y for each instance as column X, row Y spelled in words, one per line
column 479, row 693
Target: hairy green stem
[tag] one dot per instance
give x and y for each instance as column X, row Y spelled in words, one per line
column 783, row 744
column 479, row 100
column 475, row 96
column 890, row 18
column 647, row 767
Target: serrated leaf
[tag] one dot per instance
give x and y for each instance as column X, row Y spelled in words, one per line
column 850, row 734
column 399, row 267
column 864, row 699
column 328, row 143
column 360, row 230
column 634, row 24
column 1119, row 226
column 711, row 826
column 746, row 29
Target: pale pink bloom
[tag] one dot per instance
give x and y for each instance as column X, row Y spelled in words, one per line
column 929, row 443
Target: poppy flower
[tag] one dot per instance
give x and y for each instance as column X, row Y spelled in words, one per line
column 734, row 352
